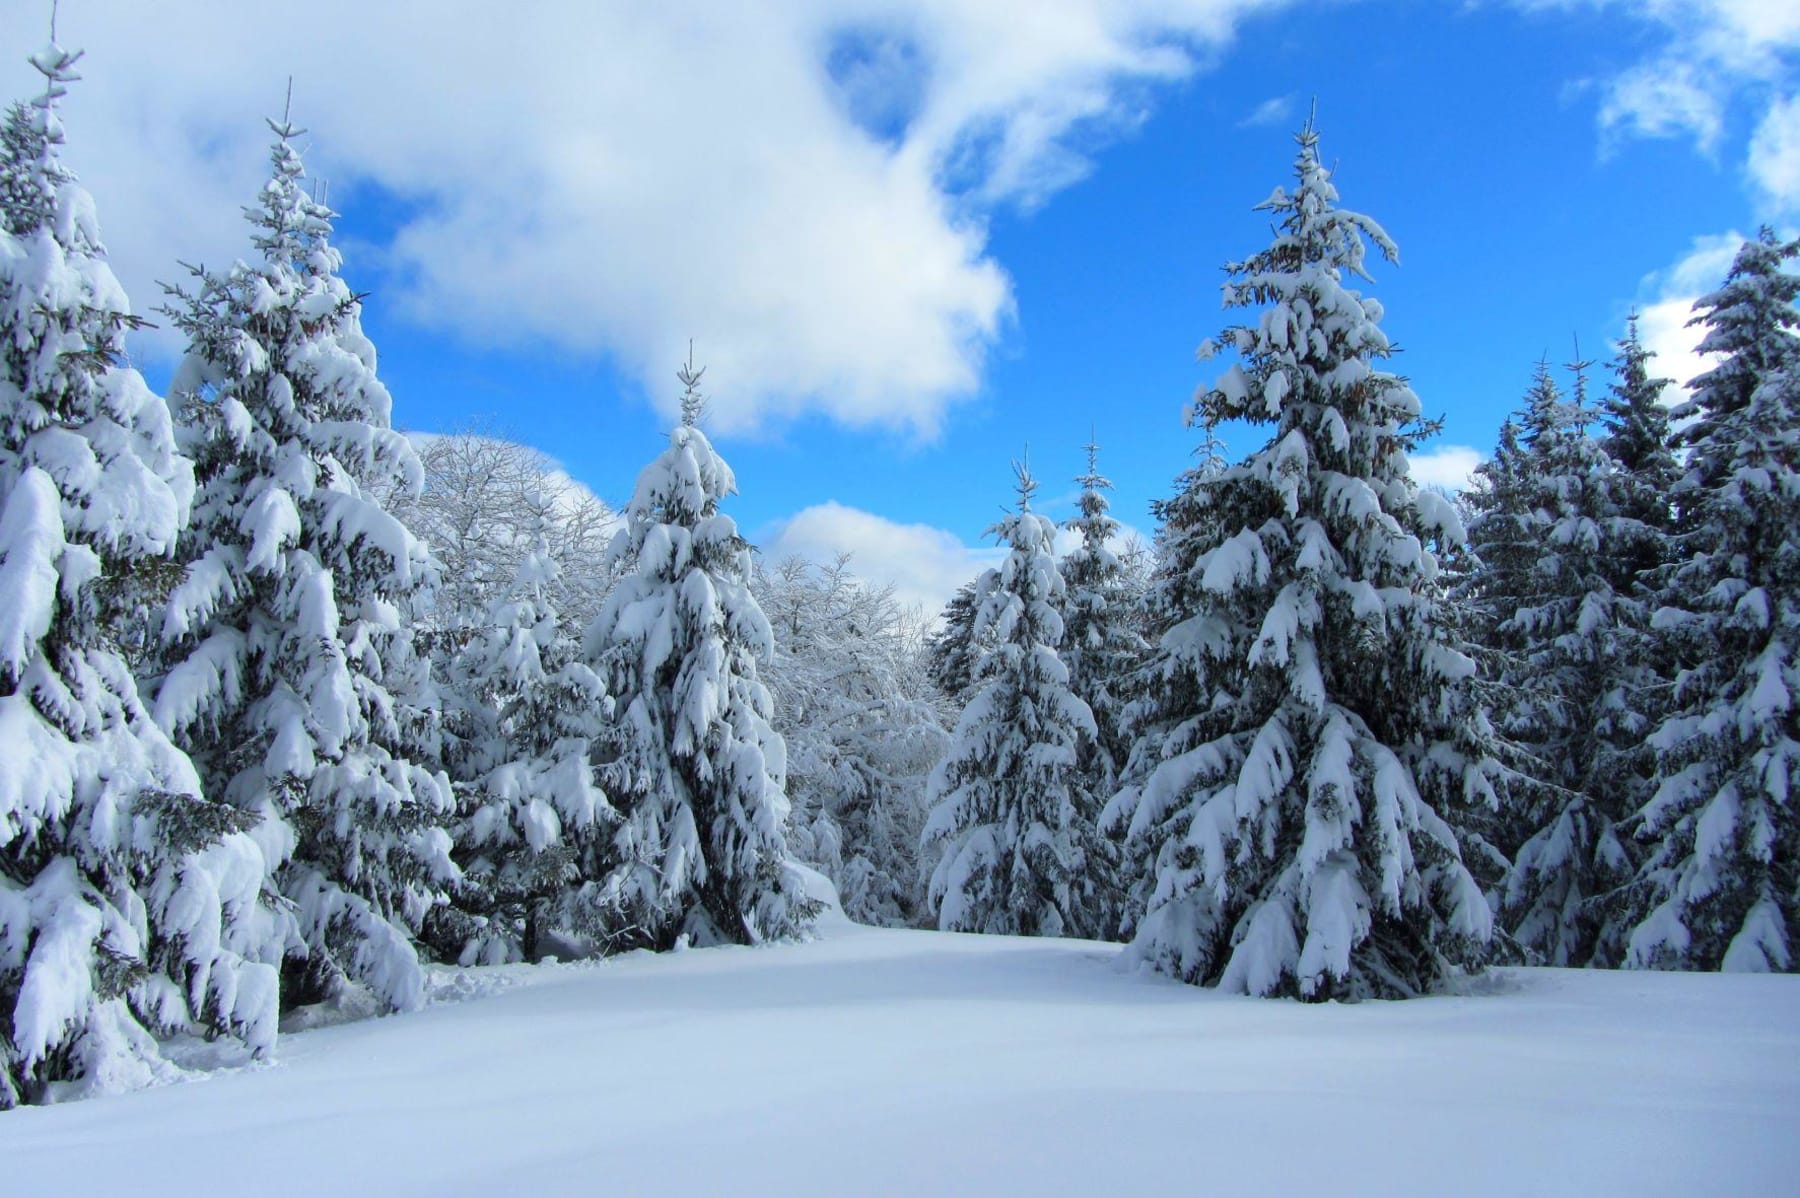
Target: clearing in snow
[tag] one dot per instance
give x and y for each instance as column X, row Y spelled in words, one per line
column 892, row 1062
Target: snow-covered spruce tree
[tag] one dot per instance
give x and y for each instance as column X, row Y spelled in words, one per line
column 1572, row 684
column 864, row 727
column 128, row 903
column 1169, row 686
column 292, row 678
column 953, row 652
column 1301, row 814
column 1639, row 440
column 524, row 716
column 1720, row 887
column 1005, row 843
column 693, row 766
column 1102, row 649
column 1483, row 581
column 1100, row 646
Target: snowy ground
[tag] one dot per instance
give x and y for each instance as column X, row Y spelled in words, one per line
column 883, row 1062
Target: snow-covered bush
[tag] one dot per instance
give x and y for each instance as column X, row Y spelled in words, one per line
column 524, row 717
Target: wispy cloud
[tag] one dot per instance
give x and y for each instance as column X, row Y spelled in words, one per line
column 1705, row 57
column 1277, row 110
column 1661, row 99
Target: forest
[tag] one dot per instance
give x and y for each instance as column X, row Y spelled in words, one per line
column 294, row 705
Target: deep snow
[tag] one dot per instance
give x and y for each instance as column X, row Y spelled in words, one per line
column 890, row 1062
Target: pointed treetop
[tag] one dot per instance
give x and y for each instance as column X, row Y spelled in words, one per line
column 1578, row 368
column 1026, row 486
column 1634, row 391
column 285, row 129
column 1311, row 228
column 693, row 404
column 1093, row 480
column 57, row 66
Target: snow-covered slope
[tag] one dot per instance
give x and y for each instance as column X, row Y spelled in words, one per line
column 886, row 1062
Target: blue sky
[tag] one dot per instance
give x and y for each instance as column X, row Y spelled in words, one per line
column 910, row 238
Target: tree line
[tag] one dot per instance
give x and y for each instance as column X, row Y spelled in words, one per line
column 1355, row 737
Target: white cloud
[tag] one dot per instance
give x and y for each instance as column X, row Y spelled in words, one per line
column 1275, row 111
column 802, row 187
column 1775, row 156
column 1669, row 305
column 1708, row 55
column 1662, row 99
column 1447, row 466
column 924, row 564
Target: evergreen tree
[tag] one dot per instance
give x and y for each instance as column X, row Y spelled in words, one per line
column 129, row 905
column 696, row 771
column 292, row 678
column 953, row 652
column 1572, row 681
column 1101, row 649
column 526, row 716
column 1005, row 842
column 1638, row 439
column 1170, row 685
column 1485, row 581
column 1299, row 814
column 1719, row 888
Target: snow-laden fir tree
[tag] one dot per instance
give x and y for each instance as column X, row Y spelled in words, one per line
column 1169, row 685
column 1500, row 537
column 1100, row 646
column 1102, row 649
column 1639, row 440
column 1571, row 687
column 1005, row 844
column 291, row 676
column 525, row 716
column 953, row 651
column 693, row 766
column 129, row 905
column 1720, row 887
column 1301, row 812
column 864, row 727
